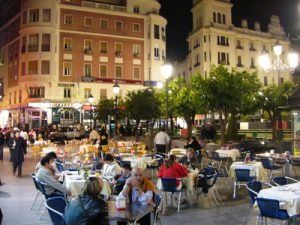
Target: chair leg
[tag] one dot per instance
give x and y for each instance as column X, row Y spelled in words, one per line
column 234, row 189
column 37, row 195
column 247, row 213
column 179, row 201
column 40, row 206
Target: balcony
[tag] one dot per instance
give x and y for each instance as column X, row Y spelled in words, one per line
column 239, row 47
column 87, row 78
column 103, row 6
column 33, row 48
column 252, row 49
column 88, row 51
column 46, row 48
column 223, row 44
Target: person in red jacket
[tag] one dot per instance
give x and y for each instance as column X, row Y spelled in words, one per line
column 172, row 169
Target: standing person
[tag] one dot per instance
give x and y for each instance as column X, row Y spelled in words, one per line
column 18, row 150
column 161, row 141
column 24, row 135
column 2, row 142
column 94, row 136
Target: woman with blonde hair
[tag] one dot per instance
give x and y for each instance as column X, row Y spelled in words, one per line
column 88, row 208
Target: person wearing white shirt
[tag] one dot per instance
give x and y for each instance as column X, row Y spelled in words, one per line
column 110, row 168
column 161, row 141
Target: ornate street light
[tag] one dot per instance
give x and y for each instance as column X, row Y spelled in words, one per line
column 116, row 91
column 91, row 101
column 166, row 72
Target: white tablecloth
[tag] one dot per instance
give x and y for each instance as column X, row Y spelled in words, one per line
column 234, row 154
column 46, row 150
column 125, row 143
column 256, row 169
column 179, row 152
column 291, row 197
column 75, row 183
column 141, row 162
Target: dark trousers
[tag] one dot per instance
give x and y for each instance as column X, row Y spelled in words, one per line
column 146, row 220
column 19, row 166
column 1, row 152
column 161, row 148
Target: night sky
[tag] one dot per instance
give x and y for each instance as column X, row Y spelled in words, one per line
column 179, row 19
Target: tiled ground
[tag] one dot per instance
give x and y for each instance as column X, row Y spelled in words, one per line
column 17, row 195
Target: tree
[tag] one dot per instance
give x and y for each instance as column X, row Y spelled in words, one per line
column 141, row 105
column 229, row 93
column 105, row 108
column 272, row 99
column 184, row 99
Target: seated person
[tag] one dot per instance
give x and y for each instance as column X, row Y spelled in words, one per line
column 53, row 156
column 139, row 189
column 172, row 169
column 110, row 168
column 193, row 143
column 121, row 179
column 88, row 208
column 45, row 175
column 190, row 160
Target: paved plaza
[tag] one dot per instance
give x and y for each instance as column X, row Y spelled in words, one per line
column 17, row 194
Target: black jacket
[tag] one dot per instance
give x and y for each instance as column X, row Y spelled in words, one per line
column 86, row 210
column 18, row 150
column 194, row 145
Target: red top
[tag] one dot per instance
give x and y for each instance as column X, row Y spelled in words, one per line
column 175, row 171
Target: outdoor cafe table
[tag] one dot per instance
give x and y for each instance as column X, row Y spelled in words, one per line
column 234, row 154
column 131, row 214
column 289, row 194
column 75, row 182
column 256, row 169
column 86, row 148
column 179, row 152
column 140, row 162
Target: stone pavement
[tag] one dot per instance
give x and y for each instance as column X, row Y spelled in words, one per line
column 17, row 194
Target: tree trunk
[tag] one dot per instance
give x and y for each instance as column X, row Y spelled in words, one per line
column 172, row 125
column 232, row 130
column 274, row 129
column 189, row 121
column 223, row 123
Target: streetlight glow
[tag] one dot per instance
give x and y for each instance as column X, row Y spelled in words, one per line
column 116, row 89
column 264, row 61
column 166, row 70
column 277, row 49
column 91, row 99
column 293, row 59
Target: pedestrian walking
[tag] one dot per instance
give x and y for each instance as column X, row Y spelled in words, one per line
column 161, row 141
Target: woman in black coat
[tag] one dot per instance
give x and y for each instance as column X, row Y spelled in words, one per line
column 17, row 146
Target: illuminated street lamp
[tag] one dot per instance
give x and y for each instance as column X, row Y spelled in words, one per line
column 166, row 72
column 91, row 101
column 116, row 91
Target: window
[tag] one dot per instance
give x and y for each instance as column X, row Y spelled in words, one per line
column 156, row 53
column 103, row 94
column 67, row 92
column 136, row 27
column 281, row 80
column 34, row 15
column 33, row 67
column 67, row 68
column 239, row 63
column 46, row 42
column 15, row 97
column 103, row 47
column 68, row 19
column 219, row 18
column 46, row 15
column 222, row 40
column 252, row 48
column 87, row 46
column 33, row 44
column 156, row 31
column 103, row 70
column 23, row 48
column 104, row 24
column 224, row 19
column 88, row 21
column 45, row 67
column 136, row 73
column 223, row 58
column 36, row 92
column 23, row 70
column 87, row 92
column 204, row 39
column 68, row 43
column 20, row 96
column 10, row 98
column 136, row 9
column 119, row 25
column 118, row 49
column 24, row 17
column 136, row 50
column 214, row 17
column 163, row 35
column 252, row 63
column 87, row 69
column 118, row 71
column 265, row 81
column 205, row 57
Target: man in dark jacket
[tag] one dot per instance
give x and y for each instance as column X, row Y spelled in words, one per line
column 2, row 141
column 18, row 149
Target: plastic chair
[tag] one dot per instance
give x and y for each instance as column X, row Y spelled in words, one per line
column 270, row 168
column 269, row 208
column 56, row 208
column 158, row 209
column 242, row 177
column 37, row 189
column 220, row 159
column 280, row 181
column 159, row 160
column 169, row 185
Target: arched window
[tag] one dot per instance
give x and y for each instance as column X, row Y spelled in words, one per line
column 214, row 17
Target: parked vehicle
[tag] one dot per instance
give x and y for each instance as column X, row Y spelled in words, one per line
column 66, row 133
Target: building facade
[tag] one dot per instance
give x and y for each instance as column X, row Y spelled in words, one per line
column 55, row 54
column 215, row 40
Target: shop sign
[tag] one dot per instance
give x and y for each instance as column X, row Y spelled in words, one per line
column 65, row 85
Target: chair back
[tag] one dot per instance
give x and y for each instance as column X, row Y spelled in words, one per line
column 56, row 208
column 34, row 181
column 216, row 156
column 212, row 180
column 268, row 208
column 280, row 181
column 242, row 175
column 266, row 163
column 254, row 188
column 40, row 186
column 159, row 159
column 59, row 166
column 169, row 184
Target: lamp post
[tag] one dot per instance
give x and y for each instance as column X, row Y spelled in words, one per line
column 91, row 101
column 278, row 66
column 166, row 71
column 116, row 91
